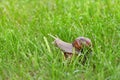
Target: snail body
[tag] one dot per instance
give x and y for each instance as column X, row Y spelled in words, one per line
column 64, row 46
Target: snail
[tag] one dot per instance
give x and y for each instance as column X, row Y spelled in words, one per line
column 77, row 46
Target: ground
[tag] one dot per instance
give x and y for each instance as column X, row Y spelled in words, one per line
column 27, row 52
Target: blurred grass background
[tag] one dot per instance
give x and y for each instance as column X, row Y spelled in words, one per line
column 24, row 54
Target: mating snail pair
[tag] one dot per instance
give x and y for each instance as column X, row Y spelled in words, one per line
column 77, row 46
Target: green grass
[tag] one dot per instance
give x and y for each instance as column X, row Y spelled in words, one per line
column 27, row 52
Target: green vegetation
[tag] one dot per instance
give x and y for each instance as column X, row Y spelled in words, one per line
column 27, row 52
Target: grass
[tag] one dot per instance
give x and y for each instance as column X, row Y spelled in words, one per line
column 26, row 50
